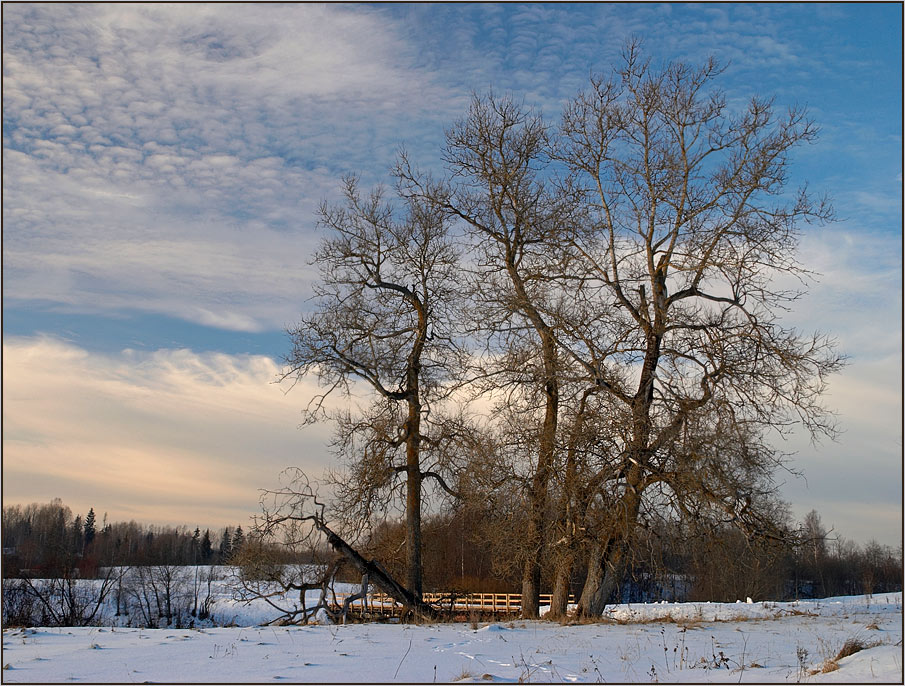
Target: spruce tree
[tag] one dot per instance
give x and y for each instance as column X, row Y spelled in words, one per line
column 226, row 545
column 238, row 540
column 90, row 530
column 206, row 549
column 76, row 545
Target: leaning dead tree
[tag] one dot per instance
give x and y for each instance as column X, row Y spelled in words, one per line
column 294, row 516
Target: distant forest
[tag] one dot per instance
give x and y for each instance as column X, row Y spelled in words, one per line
column 669, row 563
column 46, row 540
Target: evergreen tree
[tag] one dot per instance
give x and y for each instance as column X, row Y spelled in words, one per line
column 206, row 549
column 195, row 545
column 226, row 545
column 90, row 530
column 238, row 540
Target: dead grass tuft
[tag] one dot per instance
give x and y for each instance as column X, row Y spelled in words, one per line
column 576, row 619
column 852, row 646
column 463, row 675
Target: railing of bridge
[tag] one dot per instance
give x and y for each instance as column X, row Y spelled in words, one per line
column 496, row 603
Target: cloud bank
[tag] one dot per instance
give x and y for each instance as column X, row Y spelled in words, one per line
column 168, row 437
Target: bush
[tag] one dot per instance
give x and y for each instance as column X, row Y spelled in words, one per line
column 18, row 604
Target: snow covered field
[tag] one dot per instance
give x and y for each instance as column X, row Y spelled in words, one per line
column 678, row 642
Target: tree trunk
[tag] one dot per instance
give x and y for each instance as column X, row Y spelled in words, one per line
column 377, row 574
column 413, row 500
column 537, row 497
column 531, row 588
column 562, row 583
column 569, row 517
column 604, row 575
column 593, row 580
column 606, row 565
column 413, row 532
column 540, row 483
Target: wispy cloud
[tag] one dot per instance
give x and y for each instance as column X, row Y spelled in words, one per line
column 857, row 296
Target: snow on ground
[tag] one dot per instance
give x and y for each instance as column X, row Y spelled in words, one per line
column 687, row 642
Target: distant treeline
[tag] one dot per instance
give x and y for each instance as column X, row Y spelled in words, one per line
column 46, row 540
column 669, row 561
column 462, row 553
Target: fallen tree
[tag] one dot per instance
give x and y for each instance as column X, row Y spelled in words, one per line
column 295, row 517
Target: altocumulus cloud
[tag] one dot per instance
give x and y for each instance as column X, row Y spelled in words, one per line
column 166, row 437
column 169, row 158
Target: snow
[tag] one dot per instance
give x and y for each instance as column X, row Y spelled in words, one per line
column 673, row 642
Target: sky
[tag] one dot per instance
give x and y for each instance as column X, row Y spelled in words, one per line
column 162, row 167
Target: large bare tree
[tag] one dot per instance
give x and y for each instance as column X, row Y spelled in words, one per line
column 687, row 260
column 497, row 156
column 387, row 278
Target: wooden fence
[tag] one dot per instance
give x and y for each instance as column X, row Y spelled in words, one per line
column 453, row 603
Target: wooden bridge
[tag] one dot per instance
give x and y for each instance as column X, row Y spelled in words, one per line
column 464, row 604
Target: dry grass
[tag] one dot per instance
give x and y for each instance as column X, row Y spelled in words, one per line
column 464, row 674
column 795, row 613
column 473, row 618
column 695, row 622
column 685, row 622
column 850, row 647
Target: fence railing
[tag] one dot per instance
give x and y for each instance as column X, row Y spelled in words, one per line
column 499, row 603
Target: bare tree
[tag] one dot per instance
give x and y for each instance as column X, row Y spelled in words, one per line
column 629, row 272
column 381, row 321
column 813, row 547
column 497, row 156
column 66, row 600
column 687, row 245
column 162, row 592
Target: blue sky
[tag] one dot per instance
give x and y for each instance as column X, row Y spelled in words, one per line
column 162, row 168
